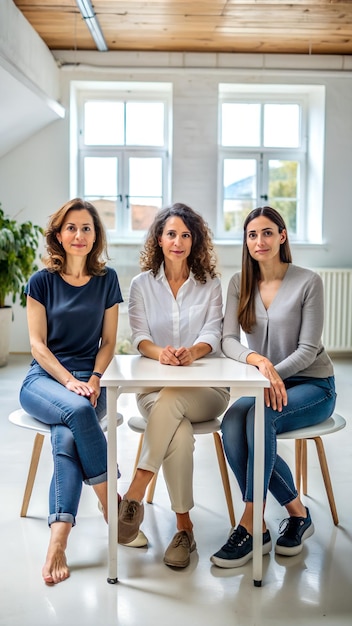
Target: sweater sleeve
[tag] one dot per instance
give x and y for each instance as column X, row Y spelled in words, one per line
column 231, row 336
column 309, row 339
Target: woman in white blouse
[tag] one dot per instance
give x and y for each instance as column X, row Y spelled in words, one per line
column 175, row 311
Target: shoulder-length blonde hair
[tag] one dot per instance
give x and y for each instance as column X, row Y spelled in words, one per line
column 55, row 259
column 202, row 258
column 250, row 267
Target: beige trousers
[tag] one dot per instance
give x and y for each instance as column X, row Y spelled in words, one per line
column 169, row 440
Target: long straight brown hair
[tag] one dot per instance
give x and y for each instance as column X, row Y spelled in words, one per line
column 250, row 267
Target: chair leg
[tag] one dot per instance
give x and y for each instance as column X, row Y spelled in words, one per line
column 37, row 448
column 298, row 464
column 152, row 484
column 304, row 466
column 225, row 477
column 326, row 478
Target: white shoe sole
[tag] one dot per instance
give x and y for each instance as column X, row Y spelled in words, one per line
column 140, row 541
column 232, row 563
column 285, row 551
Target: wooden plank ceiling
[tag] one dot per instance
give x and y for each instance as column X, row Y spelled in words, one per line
column 265, row 26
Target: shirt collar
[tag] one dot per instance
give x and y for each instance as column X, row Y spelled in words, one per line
column 161, row 275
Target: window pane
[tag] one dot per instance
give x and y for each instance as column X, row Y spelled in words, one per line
column 145, row 176
column 103, row 123
column 240, row 124
column 144, row 123
column 240, row 178
column 143, row 212
column 100, row 187
column 282, row 125
column 283, row 178
column 239, row 192
column 288, row 210
column 145, row 190
column 107, row 210
column 283, row 190
column 100, row 176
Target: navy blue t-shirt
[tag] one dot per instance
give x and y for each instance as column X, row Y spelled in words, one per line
column 74, row 314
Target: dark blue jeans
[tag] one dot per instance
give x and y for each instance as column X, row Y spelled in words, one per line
column 310, row 401
column 78, row 443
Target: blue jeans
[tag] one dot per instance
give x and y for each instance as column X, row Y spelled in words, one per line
column 310, row 401
column 78, row 443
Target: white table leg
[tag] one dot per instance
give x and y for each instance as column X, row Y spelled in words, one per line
column 258, row 487
column 111, row 398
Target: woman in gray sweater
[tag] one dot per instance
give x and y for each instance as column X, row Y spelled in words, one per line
column 279, row 307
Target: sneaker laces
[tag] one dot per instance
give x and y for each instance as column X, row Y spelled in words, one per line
column 237, row 537
column 289, row 526
column 181, row 539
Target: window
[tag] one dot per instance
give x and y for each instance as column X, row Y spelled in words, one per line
column 123, row 154
column 264, row 158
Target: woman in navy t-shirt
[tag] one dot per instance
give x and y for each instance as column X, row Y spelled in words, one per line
column 72, row 311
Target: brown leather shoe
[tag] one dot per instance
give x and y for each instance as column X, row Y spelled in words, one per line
column 131, row 515
column 179, row 550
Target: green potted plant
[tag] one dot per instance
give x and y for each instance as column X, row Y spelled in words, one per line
column 18, row 248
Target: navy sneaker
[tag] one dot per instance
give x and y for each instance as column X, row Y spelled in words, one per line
column 238, row 549
column 294, row 531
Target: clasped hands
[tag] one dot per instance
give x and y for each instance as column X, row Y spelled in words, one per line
column 176, row 356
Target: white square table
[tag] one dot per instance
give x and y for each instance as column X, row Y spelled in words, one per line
column 132, row 373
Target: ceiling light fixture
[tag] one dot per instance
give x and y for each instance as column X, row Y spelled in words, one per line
column 90, row 18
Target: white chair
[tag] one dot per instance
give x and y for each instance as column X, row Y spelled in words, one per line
column 24, row 420
column 137, row 424
column 331, row 425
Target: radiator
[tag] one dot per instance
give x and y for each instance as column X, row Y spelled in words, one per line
column 337, row 333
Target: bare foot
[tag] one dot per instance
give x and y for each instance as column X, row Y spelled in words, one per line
column 55, row 569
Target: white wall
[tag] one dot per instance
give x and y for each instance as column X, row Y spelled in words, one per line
column 29, row 80
column 34, row 177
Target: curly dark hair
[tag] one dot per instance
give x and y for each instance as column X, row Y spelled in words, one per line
column 55, row 260
column 250, row 268
column 202, row 259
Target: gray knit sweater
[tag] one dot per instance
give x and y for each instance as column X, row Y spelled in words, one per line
column 289, row 332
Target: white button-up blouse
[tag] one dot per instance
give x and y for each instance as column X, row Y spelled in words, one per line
column 194, row 316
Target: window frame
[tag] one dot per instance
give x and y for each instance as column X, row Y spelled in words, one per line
column 311, row 99
column 131, row 92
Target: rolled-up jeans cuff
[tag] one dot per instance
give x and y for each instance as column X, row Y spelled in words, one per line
column 61, row 517
column 100, row 479
column 96, row 480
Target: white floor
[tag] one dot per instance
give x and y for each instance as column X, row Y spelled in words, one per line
column 313, row 588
